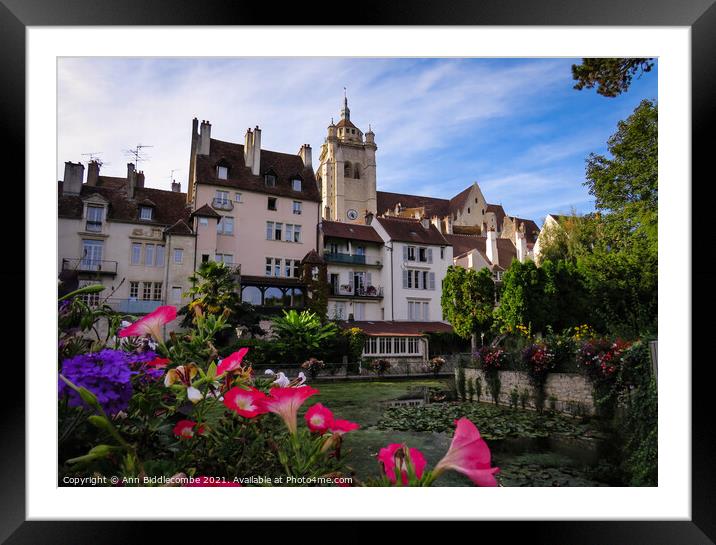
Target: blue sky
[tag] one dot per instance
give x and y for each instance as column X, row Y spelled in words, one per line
column 516, row 126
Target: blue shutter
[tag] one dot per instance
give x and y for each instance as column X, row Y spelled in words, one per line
column 405, row 278
column 432, row 281
column 405, row 253
column 430, row 255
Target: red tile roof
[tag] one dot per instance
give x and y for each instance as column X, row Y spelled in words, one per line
column 464, row 243
column 410, row 230
column 392, row 328
column 313, row 258
column 206, row 211
column 351, row 231
column 499, row 214
column 433, row 207
column 346, row 123
column 284, row 165
column 531, row 229
column 460, row 200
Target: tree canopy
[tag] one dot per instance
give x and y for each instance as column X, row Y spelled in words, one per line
column 611, row 77
column 467, row 300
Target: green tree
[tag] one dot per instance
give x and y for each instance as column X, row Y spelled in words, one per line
column 467, row 300
column 573, row 237
column 302, row 335
column 523, row 300
column 566, row 297
column 612, row 77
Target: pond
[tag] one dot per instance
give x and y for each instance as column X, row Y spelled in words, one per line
column 530, row 449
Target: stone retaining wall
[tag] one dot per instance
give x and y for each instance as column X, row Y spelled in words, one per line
column 573, row 392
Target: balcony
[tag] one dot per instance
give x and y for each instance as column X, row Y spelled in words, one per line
column 133, row 306
column 222, row 204
column 351, row 259
column 96, row 266
column 347, row 290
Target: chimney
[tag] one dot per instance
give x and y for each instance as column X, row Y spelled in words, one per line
column 140, row 178
column 521, row 243
column 204, row 138
column 72, row 181
column 368, row 218
column 491, row 247
column 176, row 186
column 249, row 149
column 131, row 180
column 92, row 173
column 256, row 166
column 305, row 153
column 425, row 222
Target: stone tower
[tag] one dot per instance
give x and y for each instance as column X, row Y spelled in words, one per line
column 346, row 171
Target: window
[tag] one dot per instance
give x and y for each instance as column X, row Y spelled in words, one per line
column 147, row 291
column 340, row 311
column 278, row 231
column 270, row 180
column 297, row 207
column 273, row 266
column 92, row 299
column 226, row 259
column 134, row 290
column 297, row 269
column 297, row 233
column 237, row 197
column 92, row 251
column 136, row 253
column 268, row 266
column 222, row 172
column 296, row 184
column 222, row 197
column 418, row 311
column 289, row 232
column 251, row 295
column 347, row 170
column 360, row 250
column 442, row 252
column 272, row 203
column 225, row 226
column 400, row 343
column 178, row 255
column 176, row 295
column 359, row 311
column 94, row 218
column 356, row 172
column 277, row 267
column 413, row 345
column 411, row 253
column 159, row 261
column 145, row 212
column 203, row 221
column 149, row 255
column 157, row 291
column 204, row 258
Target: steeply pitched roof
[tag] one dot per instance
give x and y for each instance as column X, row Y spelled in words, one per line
column 206, row 211
column 346, row 123
column 313, row 258
column 409, row 230
column 459, row 201
column 112, row 182
column 464, row 243
column 433, row 207
column 531, row 229
column 499, row 214
column 506, row 252
column 180, row 228
column 411, row 329
column 284, row 165
column 352, row 231
column 169, row 206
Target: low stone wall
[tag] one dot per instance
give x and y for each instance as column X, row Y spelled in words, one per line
column 573, row 392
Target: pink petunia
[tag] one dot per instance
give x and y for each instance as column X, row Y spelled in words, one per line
column 387, row 456
column 339, row 427
column 319, row 418
column 247, row 403
column 208, row 481
column 232, row 362
column 185, row 429
column 285, row 402
column 151, row 324
column 469, row 454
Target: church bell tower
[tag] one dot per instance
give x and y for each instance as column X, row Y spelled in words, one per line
column 346, row 171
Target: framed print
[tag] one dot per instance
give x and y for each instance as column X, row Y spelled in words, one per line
column 432, row 260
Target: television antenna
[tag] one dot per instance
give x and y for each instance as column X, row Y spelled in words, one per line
column 137, row 154
column 94, row 156
column 171, row 173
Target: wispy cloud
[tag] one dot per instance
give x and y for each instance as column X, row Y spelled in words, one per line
column 515, row 126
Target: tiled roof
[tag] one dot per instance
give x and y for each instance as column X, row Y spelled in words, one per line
column 531, row 229
column 180, row 228
column 459, row 201
column 111, row 182
column 169, row 206
column 433, row 207
column 409, row 230
column 206, row 211
column 351, row 231
column 506, row 251
column 412, row 329
column 313, row 258
column 473, row 230
column 499, row 214
column 346, row 123
column 464, row 243
column 284, row 165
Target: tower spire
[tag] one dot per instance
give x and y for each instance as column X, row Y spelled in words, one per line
column 345, row 112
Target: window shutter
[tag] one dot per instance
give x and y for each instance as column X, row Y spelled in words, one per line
column 430, row 255
column 405, row 279
column 405, row 253
column 432, row 281
column 369, row 279
column 350, row 279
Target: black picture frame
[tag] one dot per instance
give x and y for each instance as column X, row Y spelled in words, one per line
column 699, row 15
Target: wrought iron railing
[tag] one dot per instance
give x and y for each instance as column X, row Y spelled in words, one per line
column 89, row 265
column 337, row 257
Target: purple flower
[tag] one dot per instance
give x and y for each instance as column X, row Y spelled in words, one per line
column 107, row 374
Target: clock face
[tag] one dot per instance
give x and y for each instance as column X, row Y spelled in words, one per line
column 352, row 214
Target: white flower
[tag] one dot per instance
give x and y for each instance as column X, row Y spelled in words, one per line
column 193, row 394
column 281, row 380
column 302, row 378
column 269, row 372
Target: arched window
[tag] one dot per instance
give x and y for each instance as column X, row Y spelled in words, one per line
column 251, row 295
column 347, row 170
column 356, row 171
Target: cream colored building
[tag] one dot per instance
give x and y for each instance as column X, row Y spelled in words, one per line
column 135, row 240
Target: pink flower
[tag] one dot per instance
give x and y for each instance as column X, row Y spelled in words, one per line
column 339, row 427
column 248, row 403
column 285, row 402
column 469, row 454
column 319, row 418
column 151, row 324
column 208, row 481
column 159, row 362
column 396, row 452
column 185, row 429
column 232, row 362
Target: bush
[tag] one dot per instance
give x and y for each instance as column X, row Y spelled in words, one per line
column 435, row 364
column 470, row 390
column 313, row 366
column 478, row 388
column 301, row 335
column 378, row 366
column 460, row 382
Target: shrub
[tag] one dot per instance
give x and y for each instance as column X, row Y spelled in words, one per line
column 470, row 390
column 514, row 397
column 460, row 382
column 478, row 388
column 524, row 397
column 435, row 364
column 491, row 358
column 301, row 335
column 539, row 362
column 378, row 366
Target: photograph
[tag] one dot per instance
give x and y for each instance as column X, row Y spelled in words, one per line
column 357, row 271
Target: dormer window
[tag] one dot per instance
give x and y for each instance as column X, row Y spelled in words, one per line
column 222, row 172
column 145, row 213
column 296, row 184
column 95, row 215
column 270, row 179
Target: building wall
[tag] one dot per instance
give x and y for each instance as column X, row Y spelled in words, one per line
column 473, row 212
column 248, row 244
column 545, row 233
column 472, row 260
